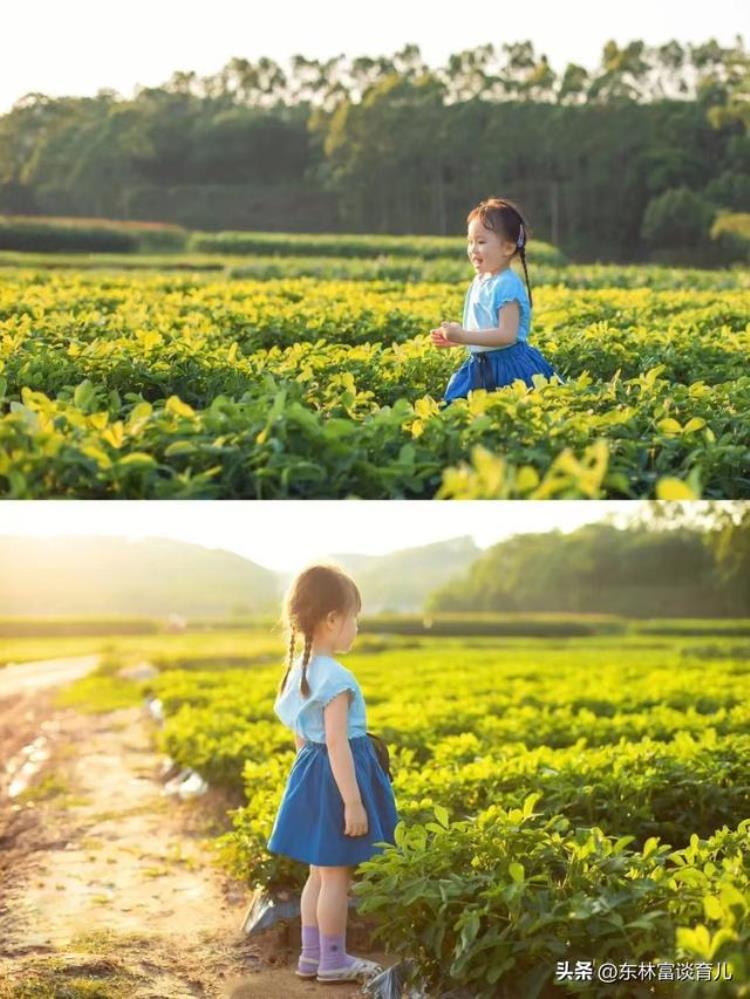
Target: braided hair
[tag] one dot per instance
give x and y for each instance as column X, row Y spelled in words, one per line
column 315, row 592
column 503, row 216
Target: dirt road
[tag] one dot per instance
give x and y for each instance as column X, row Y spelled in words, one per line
column 106, row 882
column 28, row 677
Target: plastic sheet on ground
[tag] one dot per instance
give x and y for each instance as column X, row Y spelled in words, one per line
column 155, row 708
column 187, row 784
column 169, row 769
column 390, row 983
column 266, row 910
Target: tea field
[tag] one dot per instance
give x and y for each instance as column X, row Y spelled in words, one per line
column 582, row 798
column 306, row 377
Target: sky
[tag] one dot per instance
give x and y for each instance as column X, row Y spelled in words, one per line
column 282, row 535
column 80, row 46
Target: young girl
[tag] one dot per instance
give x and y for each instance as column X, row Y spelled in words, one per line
column 338, row 800
column 497, row 310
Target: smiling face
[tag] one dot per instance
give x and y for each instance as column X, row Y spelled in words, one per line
column 488, row 250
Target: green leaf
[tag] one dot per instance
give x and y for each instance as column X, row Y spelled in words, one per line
column 179, row 447
column 441, row 814
column 528, row 803
column 136, row 458
column 696, row 423
column 621, row 843
column 177, row 407
column 83, row 395
column 517, row 872
column 469, row 930
column 669, row 426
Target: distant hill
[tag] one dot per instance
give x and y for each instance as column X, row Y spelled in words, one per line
column 402, row 580
column 157, row 577
column 153, row 576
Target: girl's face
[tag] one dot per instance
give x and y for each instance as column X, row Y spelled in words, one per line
column 488, row 250
column 342, row 629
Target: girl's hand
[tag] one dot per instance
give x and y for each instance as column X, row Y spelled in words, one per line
column 355, row 819
column 440, row 338
column 452, row 331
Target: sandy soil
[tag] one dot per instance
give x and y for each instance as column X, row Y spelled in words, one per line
column 105, row 879
column 24, row 678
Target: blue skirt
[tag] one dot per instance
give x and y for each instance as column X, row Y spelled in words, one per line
column 491, row 369
column 309, row 825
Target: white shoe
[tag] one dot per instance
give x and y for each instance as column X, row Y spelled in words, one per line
column 313, row 965
column 358, row 969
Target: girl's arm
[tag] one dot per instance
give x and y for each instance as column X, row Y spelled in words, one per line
column 452, row 334
column 342, row 763
column 299, row 741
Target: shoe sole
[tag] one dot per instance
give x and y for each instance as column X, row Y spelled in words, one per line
column 356, row 977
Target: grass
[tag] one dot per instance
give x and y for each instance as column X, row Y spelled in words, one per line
column 97, row 694
column 55, row 978
column 50, row 786
column 53, row 787
column 102, row 690
column 161, row 805
column 104, row 941
column 20, row 650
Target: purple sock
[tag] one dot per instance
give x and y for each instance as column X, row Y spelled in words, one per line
column 309, row 959
column 333, row 953
column 310, row 942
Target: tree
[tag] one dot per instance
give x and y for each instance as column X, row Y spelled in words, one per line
column 677, row 219
column 600, row 568
column 732, row 547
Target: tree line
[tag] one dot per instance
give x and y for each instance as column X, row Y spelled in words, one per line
column 649, row 569
column 636, row 156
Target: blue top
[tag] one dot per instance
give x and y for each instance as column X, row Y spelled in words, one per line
column 327, row 678
column 485, row 297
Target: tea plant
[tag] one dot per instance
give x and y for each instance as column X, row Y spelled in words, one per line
column 562, row 799
column 157, row 386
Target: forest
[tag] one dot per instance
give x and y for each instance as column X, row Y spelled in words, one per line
column 643, row 157
column 643, row 571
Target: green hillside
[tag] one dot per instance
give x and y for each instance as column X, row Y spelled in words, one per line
column 107, row 575
column 402, row 580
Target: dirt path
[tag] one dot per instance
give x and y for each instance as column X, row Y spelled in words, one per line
column 28, row 677
column 105, row 880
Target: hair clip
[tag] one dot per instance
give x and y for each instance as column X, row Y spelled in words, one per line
column 521, row 238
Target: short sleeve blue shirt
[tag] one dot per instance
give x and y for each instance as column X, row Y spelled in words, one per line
column 327, row 678
column 487, row 295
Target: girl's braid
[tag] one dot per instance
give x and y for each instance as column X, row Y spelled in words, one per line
column 289, row 659
column 522, row 251
column 521, row 243
column 304, row 685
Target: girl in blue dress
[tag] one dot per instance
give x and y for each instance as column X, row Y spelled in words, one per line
column 338, row 802
column 497, row 308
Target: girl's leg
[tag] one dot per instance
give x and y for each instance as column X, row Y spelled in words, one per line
column 309, row 900
column 307, row 966
column 332, row 912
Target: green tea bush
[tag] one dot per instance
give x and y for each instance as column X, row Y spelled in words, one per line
column 345, row 245
column 39, row 234
column 559, row 799
column 177, row 386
